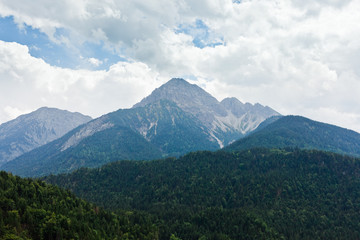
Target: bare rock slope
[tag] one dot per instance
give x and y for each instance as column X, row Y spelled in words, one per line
column 35, row 129
column 226, row 121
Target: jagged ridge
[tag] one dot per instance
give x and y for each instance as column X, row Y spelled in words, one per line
column 226, row 121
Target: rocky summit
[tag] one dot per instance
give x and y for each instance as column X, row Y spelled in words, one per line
column 226, row 121
column 175, row 119
column 35, row 129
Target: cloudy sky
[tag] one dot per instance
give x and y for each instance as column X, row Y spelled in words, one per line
column 297, row 56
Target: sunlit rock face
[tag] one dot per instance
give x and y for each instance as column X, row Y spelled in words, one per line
column 226, row 121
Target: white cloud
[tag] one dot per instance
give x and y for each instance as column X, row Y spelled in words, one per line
column 299, row 57
column 13, row 112
column 28, row 83
column 95, row 62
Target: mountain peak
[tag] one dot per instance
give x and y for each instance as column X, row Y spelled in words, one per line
column 221, row 118
column 234, row 105
column 34, row 129
column 180, row 85
column 178, row 81
column 232, row 100
column 49, row 114
column 190, row 97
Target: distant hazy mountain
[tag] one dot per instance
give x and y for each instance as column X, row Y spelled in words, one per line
column 300, row 132
column 32, row 130
column 226, row 121
column 154, row 131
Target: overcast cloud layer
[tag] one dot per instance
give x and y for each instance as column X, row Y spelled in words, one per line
column 298, row 57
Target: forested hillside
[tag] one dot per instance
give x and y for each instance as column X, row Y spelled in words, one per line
column 32, row 209
column 290, row 194
column 300, row 132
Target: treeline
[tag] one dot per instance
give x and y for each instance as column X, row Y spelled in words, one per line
column 253, row 194
column 32, row 209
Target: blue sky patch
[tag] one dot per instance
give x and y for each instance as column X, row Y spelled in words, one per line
column 58, row 53
column 201, row 33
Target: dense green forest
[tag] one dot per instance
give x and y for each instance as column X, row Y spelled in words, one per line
column 32, row 209
column 289, row 194
column 300, row 132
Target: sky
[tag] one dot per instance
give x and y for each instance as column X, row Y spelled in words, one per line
column 299, row 57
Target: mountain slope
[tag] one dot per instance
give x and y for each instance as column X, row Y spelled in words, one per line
column 32, row 130
column 226, row 121
column 189, row 97
column 167, row 126
column 108, row 145
column 157, row 130
column 175, row 119
column 31, row 209
column 300, row 132
column 298, row 194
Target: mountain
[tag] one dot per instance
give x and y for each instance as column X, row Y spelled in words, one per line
column 35, row 129
column 167, row 126
column 157, row 130
column 291, row 194
column 300, row 132
column 175, row 119
column 226, row 121
column 31, row 209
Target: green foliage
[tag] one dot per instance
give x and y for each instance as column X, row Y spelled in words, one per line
column 253, row 194
column 300, row 132
column 31, row 209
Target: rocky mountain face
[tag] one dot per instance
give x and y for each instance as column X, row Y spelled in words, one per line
column 175, row 119
column 161, row 123
column 226, row 121
column 158, row 130
column 35, row 129
column 166, row 125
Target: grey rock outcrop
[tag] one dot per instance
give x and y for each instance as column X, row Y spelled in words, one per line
column 226, row 121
